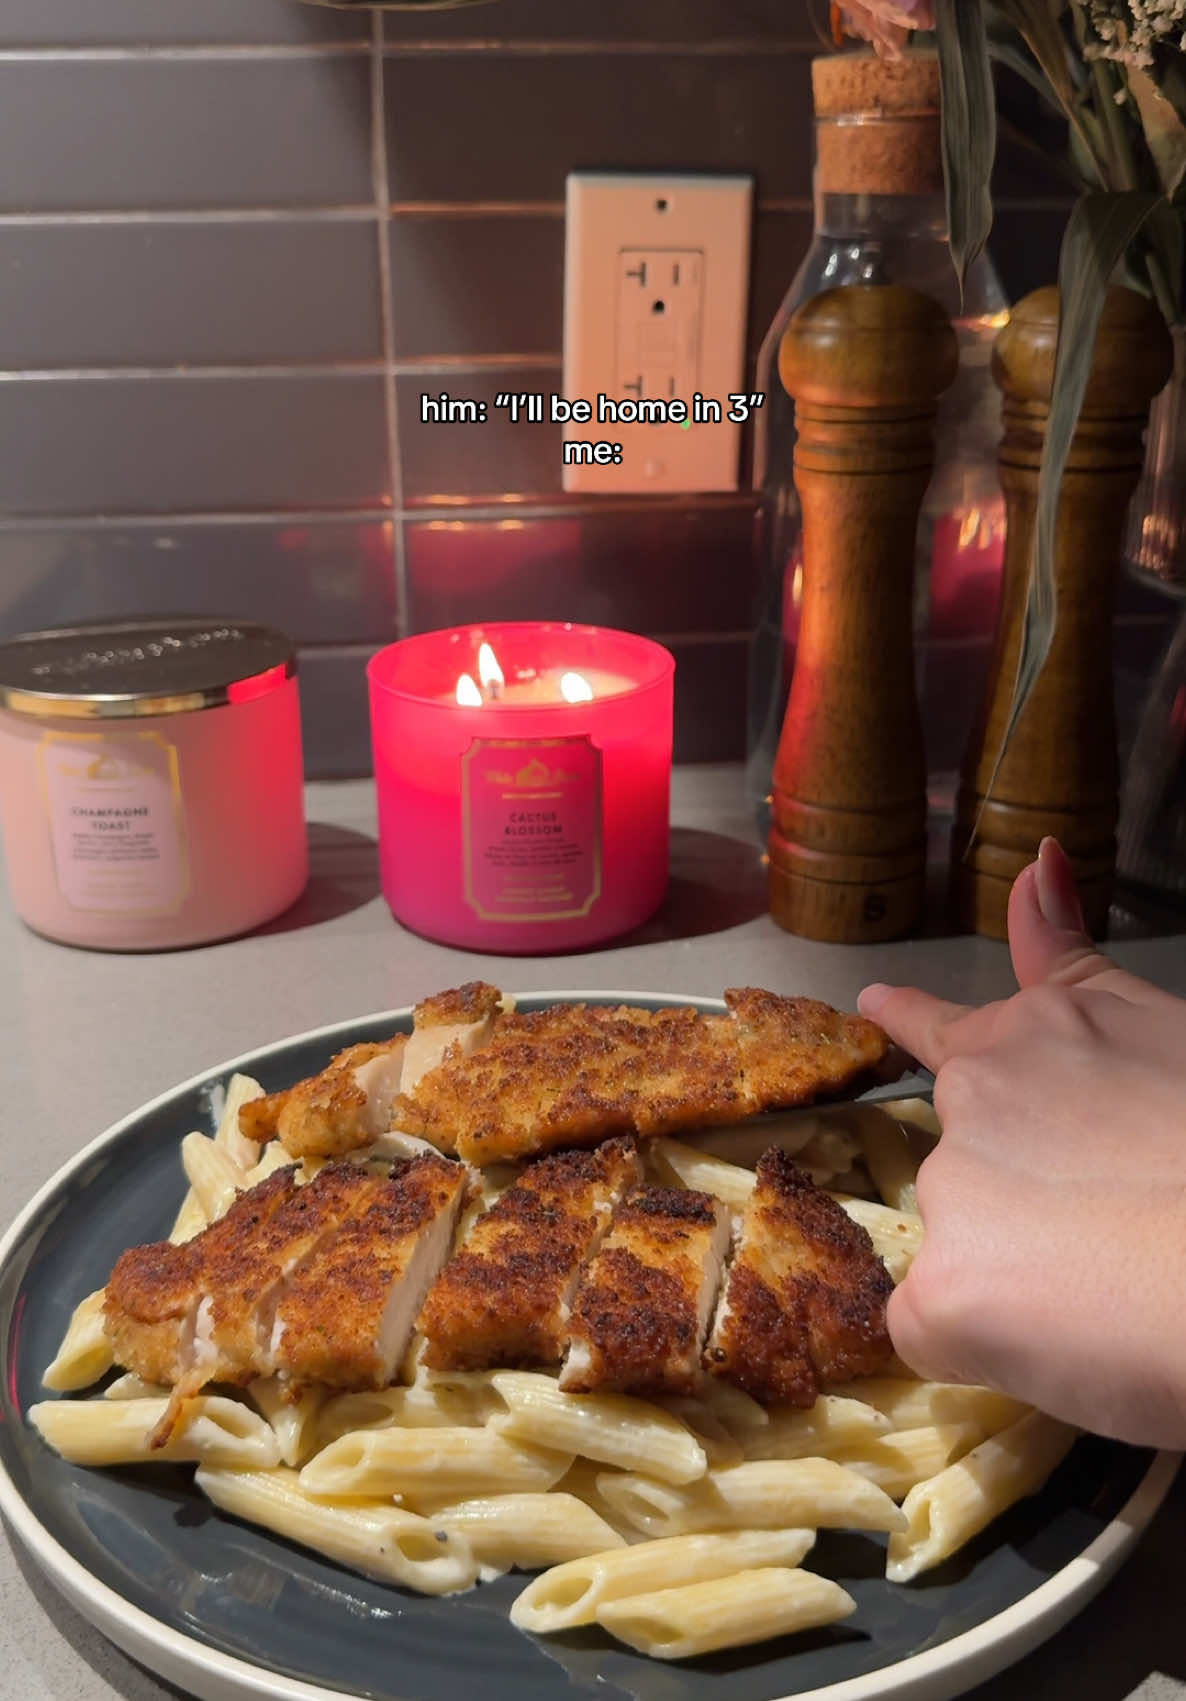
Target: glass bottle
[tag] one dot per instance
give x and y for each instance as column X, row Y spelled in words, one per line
column 879, row 218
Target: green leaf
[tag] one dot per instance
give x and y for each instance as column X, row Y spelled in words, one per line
column 1099, row 234
column 969, row 127
column 1164, row 130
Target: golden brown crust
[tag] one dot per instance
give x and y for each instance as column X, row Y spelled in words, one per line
column 636, row 1312
column 575, row 1074
column 325, row 1116
column 472, row 1002
column 806, row 1297
column 503, row 1298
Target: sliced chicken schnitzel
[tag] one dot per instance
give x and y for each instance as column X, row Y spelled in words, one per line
column 643, row 1305
column 503, row 1299
column 806, row 1295
column 575, row 1074
column 320, row 1282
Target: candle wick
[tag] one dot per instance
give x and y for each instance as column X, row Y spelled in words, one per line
column 493, row 691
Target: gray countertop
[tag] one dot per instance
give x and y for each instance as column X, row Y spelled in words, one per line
column 88, row 1036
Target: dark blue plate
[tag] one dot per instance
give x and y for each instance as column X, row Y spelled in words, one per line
column 227, row 1610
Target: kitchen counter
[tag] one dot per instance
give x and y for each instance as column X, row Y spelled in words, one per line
column 88, row 1036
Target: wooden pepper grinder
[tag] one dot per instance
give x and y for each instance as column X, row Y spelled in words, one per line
column 866, row 366
column 1059, row 774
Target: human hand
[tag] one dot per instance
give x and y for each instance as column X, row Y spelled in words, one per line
column 1054, row 1262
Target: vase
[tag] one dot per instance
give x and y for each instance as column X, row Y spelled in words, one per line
column 1155, row 541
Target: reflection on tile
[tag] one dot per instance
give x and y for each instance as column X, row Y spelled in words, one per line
column 177, row 294
column 155, row 445
column 613, row 20
column 117, row 23
column 709, row 699
column 321, row 583
column 649, row 568
column 489, row 459
column 175, row 133
column 335, row 714
column 529, row 120
column 465, row 286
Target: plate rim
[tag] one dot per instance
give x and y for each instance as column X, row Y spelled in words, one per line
column 1008, row 1634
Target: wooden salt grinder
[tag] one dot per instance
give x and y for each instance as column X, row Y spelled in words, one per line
column 1059, row 774
column 866, row 366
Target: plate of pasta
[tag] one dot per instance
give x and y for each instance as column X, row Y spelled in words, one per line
column 340, row 1484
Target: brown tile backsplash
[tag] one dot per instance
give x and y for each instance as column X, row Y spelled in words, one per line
column 155, row 445
column 651, row 568
column 240, row 238
column 532, row 118
column 322, row 582
column 77, row 133
column 175, row 294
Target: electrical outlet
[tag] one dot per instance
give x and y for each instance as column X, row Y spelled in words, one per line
column 655, row 290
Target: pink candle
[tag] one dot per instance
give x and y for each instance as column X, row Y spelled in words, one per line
column 526, row 813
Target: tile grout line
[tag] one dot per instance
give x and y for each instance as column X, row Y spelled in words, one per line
column 382, row 192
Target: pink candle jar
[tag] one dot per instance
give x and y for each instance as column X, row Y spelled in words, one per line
column 151, row 786
column 524, row 778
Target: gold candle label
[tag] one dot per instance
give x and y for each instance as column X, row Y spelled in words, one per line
column 116, row 825
column 531, row 828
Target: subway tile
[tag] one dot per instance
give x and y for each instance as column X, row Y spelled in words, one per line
column 612, row 20
column 477, row 286
column 177, row 294
column 335, row 712
column 152, row 445
column 656, row 567
column 709, row 698
column 319, row 582
column 148, row 133
column 525, row 121
column 495, row 458
column 119, row 23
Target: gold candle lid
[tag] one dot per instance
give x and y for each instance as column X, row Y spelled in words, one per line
column 877, row 129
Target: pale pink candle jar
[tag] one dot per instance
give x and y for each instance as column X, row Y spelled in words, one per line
column 151, row 789
column 524, row 779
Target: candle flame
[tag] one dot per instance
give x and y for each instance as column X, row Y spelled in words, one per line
column 489, row 671
column 575, row 688
column 469, row 694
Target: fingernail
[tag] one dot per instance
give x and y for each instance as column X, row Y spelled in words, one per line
column 873, row 999
column 1058, row 895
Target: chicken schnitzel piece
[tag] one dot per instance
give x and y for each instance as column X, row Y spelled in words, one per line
column 348, row 1313
column 349, row 1105
column 573, row 1074
column 643, row 1305
column 503, row 1299
column 805, row 1298
column 215, row 1308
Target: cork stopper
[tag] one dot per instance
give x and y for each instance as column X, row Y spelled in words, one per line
column 877, row 124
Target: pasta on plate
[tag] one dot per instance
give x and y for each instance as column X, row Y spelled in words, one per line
column 680, row 1526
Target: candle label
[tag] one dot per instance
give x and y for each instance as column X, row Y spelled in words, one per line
column 531, row 828
column 116, row 825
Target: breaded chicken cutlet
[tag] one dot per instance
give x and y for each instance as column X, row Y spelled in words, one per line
column 805, row 1299
column 495, row 1085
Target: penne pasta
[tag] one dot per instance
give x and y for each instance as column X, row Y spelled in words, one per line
column 920, row 1119
column 211, row 1429
column 85, row 1353
column 679, row 1165
column 704, row 1617
column 896, row 1235
column 214, row 1177
column 897, row 1462
column 420, row 1406
column 133, row 1387
column 293, row 1421
column 744, row 1143
column 738, row 1411
column 833, row 1423
column 767, row 1494
column 528, row 1531
column 829, row 1153
column 721, row 1446
column 190, row 1219
column 243, row 1153
column 436, row 1464
column 890, row 1160
column 911, row 1404
column 381, row 1541
column 573, row 1594
column 614, row 1428
column 272, row 1158
column 945, row 1512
